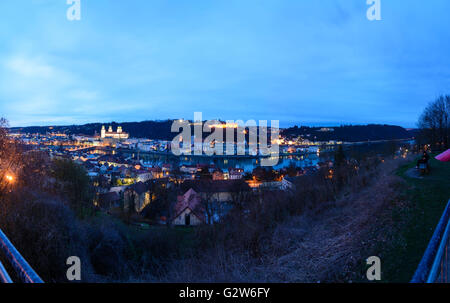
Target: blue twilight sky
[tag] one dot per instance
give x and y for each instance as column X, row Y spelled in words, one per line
column 309, row 62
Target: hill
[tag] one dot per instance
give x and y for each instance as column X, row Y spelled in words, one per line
column 157, row 130
column 349, row 133
column 160, row 130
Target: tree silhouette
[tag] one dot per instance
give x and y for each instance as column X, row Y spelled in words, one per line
column 434, row 123
column 339, row 156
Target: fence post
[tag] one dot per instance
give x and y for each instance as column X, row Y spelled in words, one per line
column 428, row 267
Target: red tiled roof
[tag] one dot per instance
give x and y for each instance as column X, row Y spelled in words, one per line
column 190, row 200
column 222, row 186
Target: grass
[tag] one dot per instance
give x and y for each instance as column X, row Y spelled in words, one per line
column 400, row 229
column 415, row 220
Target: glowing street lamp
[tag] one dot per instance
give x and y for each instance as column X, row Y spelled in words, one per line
column 9, row 178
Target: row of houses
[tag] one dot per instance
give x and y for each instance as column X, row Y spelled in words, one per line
column 201, row 201
column 207, row 201
column 137, row 195
column 216, row 173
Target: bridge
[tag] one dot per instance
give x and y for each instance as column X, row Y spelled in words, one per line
column 23, row 271
column 435, row 264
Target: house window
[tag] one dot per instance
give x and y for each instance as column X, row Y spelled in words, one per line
column 147, row 199
column 187, row 220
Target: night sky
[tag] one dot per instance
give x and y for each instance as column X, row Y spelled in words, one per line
column 308, row 62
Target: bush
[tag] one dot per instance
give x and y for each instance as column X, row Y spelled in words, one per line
column 46, row 233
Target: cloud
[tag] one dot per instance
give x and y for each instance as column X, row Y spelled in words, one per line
column 29, row 67
column 315, row 60
column 83, row 95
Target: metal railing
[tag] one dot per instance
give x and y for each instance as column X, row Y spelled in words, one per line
column 4, row 276
column 434, row 266
column 23, row 270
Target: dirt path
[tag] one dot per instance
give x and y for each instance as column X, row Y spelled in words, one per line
column 329, row 246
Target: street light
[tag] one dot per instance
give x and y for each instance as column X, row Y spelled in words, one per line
column 9, row 178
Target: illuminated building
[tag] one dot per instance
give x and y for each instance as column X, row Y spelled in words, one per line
column 119, row 134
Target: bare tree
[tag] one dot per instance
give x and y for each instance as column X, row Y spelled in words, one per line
column 10, row 159
column 208, row 201
column 240, row 195
column 434, row 123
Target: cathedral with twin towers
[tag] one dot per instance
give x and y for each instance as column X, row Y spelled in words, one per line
column 119, row 134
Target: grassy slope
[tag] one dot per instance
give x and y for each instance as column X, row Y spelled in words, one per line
column 399, row 234
column 415, row 220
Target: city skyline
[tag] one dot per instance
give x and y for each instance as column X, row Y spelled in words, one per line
column 302, row 63
column 282, row 126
